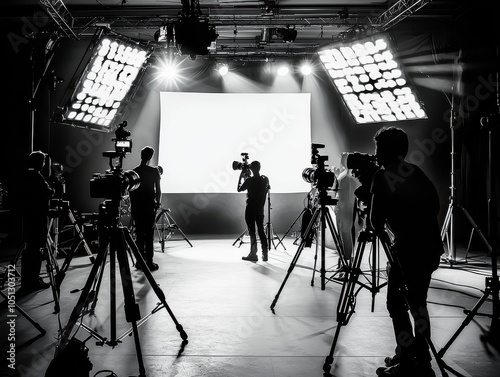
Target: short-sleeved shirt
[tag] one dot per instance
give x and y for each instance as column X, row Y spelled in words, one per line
column 145, row 194
column 256, row 195
column 412, row 208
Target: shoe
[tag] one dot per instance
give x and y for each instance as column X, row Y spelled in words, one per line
column 251, row 258
column 152, row 266
column 41, row 285
column 410, row 369
column 264, row 256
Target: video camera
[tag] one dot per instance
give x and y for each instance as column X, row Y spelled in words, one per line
column 115, row 182
column 244, row 166
column 319, row 176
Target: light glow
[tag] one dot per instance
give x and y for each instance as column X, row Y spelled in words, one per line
column 371, row 81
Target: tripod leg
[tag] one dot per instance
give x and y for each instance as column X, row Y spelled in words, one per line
column 347, row 298
column 291, row 226
column 151, row 280
column 177, row 227
column 240, row 238
column 80, row 234
column 52, row 270
column 336, row 240
column 296, row 256
column 132, row 312
column 85, row 296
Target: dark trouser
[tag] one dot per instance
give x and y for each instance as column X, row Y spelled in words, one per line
column 144, row 221
column 410, row 342
column 35, row 237
column 256, row 219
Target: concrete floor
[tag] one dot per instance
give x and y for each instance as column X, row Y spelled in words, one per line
column 223, row 304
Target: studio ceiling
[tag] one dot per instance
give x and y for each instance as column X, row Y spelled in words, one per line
column 242, row 25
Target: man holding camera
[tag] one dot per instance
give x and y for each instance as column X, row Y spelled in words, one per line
column 257, row 186
column 406, row 201
column 144, row 201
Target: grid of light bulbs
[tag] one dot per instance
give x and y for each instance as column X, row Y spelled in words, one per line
column 105, row 82
column 371, row 82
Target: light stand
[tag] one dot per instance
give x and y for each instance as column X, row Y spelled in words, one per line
column 448, row 231
column 491, row 283
column 269, row 226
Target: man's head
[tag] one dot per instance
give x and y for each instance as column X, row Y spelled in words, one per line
column 391, row 145
column 255, row 167
column 36, row 160
column 147, row 153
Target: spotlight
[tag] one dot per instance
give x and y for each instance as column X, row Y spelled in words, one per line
column 306, row 69
column 223, row 69
column 283, row 70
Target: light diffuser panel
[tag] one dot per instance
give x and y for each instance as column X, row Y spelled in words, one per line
column 102, row 90
column 371, row 81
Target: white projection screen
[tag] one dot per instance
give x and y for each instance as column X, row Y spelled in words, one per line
column 201, row 134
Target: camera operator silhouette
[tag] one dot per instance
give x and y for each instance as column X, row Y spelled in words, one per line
column 144, row 201
column 406, row 201
column 256, row 186
column 36, row 193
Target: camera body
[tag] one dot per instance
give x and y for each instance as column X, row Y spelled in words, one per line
column 244, row 166
column 113, row 184
column 319, row 176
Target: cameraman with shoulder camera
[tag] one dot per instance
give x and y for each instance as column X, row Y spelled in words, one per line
column 406, row 201
column 36, row 193
column 144, row 201
column 257, row 186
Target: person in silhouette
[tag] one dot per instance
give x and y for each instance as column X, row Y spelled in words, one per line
column 36, row 194
column 144, row 201
column 256, row 186
column 406, row 202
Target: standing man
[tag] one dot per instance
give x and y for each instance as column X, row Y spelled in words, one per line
column 144, row 201
column 257, row 186
column 36, row 195
column 406, row 201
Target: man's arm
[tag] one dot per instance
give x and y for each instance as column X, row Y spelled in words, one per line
column 158, row 190
column 241, row 185
column 378, row 214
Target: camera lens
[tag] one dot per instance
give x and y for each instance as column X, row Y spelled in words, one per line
column 308, row 175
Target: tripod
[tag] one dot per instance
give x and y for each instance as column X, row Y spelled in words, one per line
column 448, row 231
column 297, row 219
column 61, row 208
column 165, row 225
column 347, row 299
column 492, row 282
column 322, row 215
column 115, row 241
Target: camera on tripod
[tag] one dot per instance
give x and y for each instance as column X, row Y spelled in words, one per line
column 319, row 176
column 115, row 182
column 244, row 166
